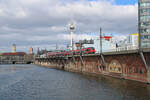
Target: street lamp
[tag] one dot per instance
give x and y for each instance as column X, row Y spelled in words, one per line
column 100, row 40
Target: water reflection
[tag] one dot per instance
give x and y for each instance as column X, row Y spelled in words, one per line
column 7, row 69
column 30, row 82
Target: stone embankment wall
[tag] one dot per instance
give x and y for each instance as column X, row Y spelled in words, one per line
column 127, row 66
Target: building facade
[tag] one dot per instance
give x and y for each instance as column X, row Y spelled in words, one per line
column 133, row 40
column 107, row 44
column 144, row 23
column 16, row 58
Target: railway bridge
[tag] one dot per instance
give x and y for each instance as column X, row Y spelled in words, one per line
column 131, row 64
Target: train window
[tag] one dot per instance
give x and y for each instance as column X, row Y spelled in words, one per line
column 88, row 49
column 92, row 48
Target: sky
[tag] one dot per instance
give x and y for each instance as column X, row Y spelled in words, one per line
column 45, row 23
column 126, row 2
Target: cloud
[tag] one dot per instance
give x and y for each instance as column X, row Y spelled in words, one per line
column 45, row 22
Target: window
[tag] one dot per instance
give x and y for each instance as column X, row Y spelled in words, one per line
column 130, row 70
column 119, row 69
column 136, row 70
column 145, row 18
column 145, row 45
column 114, row 68
column 146, row 37
column 142, row 71
column 145, row 4
column 110, row 68
column 146, row 30
column 88, row 49
column 146, row 10
column 145, row 24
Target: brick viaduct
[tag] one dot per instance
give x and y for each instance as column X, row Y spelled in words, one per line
column 130, row 65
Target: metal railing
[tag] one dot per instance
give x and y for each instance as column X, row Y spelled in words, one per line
column 125, row 48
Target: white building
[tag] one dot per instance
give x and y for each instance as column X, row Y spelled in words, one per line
column 132, row 39
column 130, row 42
column 107, row 45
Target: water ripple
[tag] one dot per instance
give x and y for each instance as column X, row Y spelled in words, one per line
column 30, row 82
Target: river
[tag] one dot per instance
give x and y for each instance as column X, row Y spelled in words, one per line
column 31, row 82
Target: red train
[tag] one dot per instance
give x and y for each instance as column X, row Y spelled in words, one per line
column 89, row 50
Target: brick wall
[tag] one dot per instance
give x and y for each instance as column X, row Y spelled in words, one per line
column 127, row 66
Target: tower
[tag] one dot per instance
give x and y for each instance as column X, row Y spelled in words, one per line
column 144, row 23
column 72, row 28
column 13, row 48
column 31, row 51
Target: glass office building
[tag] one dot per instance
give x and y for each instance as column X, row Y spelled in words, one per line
column 144, row 23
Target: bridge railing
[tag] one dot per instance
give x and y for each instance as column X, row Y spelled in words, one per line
column 126, row 48
column 118, row 49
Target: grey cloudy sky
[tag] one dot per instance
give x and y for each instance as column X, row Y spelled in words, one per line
column 43, row 23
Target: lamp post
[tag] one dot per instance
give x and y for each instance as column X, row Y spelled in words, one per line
column 100, row 40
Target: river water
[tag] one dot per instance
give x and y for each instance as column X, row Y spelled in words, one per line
column 31, row 82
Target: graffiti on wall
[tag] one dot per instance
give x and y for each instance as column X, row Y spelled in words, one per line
column 115, row 67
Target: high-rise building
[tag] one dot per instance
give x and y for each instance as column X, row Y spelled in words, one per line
column 144, row 23
column 14, row 48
